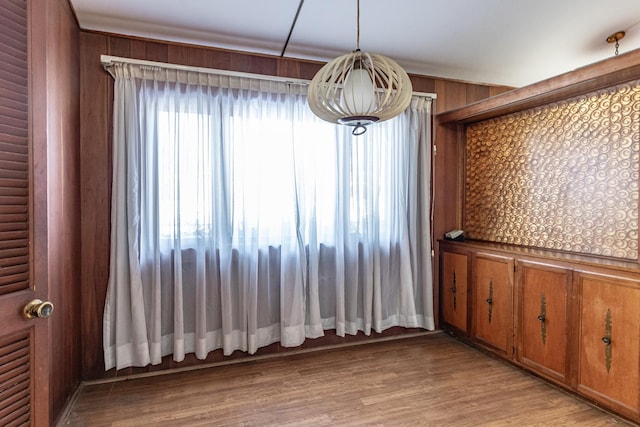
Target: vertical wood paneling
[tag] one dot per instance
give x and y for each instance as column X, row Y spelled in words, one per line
column 446, row 185
column 497, row 90
column 96, row 105
column 448, row 181
column 221, row 58
column 423, row 84
column 178, row 54
column 476, row 93
column 122, row 47
column 449, row 162
column 255, row 64
column 63, row 198
column 296, row 69
column 157, row 51
column 95, row 158
column 455, row 95
column 211, row 59
column 309, row 69
column 136, row 48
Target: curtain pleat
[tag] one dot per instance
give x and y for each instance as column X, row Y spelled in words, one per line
column 239, row 219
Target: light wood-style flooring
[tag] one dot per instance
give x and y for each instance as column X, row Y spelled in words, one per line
column 430, row 380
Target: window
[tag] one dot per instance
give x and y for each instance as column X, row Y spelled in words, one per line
column 269, row 171
column 240, row 219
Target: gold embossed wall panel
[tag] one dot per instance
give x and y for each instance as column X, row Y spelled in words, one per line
column 561, row 176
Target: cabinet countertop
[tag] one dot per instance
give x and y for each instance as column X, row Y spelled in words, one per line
column 631, row 266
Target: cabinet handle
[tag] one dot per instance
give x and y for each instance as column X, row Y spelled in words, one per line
column 606, row 340
column 454, row 290
column 490, row 300
column 455, row 283
column 543, row 318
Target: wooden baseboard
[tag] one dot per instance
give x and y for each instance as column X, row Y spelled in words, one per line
column 68, row 407
column 258, row 357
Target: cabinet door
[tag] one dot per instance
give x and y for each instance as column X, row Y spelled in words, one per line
column 609, row 342
column 453, row 289
column 542, row 327
column 493, row 302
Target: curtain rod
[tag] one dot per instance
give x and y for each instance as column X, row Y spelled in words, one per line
column 108, row 60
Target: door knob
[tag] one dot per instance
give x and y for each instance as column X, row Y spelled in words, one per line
column 37, row 308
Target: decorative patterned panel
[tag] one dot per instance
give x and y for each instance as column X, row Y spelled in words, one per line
column 562, row 176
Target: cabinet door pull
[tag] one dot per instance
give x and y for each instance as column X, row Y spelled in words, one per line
column 490, row 300
column 606, row 340
column 454, row 290
column 543, row 318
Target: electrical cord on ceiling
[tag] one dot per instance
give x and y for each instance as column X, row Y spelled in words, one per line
column 293, row 24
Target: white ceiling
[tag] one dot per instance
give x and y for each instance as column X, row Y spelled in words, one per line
column 508, row 42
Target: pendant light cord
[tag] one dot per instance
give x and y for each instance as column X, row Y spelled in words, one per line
column 358, row 27
column 293, row 24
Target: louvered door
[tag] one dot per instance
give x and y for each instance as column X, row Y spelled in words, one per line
column 23, row 342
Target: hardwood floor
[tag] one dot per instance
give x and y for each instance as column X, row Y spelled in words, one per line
column 431, row 380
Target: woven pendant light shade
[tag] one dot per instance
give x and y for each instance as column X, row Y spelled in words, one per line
column 358, row 89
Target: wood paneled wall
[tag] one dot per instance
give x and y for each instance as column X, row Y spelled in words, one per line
column 96, row 109
column 55, row 81
column 448, row 175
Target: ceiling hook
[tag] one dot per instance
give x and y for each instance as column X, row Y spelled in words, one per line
column 615, row 38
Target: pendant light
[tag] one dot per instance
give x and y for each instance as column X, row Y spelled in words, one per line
column 359, row 88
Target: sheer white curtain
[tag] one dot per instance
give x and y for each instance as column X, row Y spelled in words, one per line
column 240, row 219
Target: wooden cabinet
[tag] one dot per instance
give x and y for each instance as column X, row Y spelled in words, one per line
column 577, row 319
column 454, row 286
column 542, row 319
column 493, row 301
column 574, row 321
column 609, row 341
